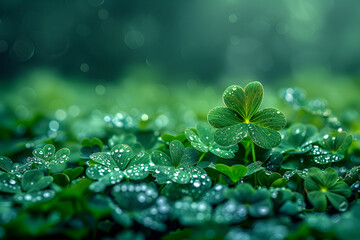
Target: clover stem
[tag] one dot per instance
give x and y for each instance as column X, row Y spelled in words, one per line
column 48, row 171
column 253, row 151
column 356, row 196
column 201, row 158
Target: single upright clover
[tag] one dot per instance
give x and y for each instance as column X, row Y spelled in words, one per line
column 326, row 185
column 331, row 149
column 111, row 168
column 298, row 139
column 203, row 141
column 29, row 189
column 47, row 158
column 241, row 117
column 177, row 168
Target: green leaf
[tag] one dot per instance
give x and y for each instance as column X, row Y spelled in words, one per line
column 264, row 137
column 122, row 155
column 235, row 172
column 73, row 173
column 134, row 196
column 196, row 141
column 169, row 138
column 177, row 150
column 6, row 164
column 9, row 183
column 34, row 197
column 254, row 168
column 34, row 180
column 160, row 159
column 231, row 135
column 318, row 200
column 244, row 101
column 141, row 158
column 97, row 171
column 221, row 117
column 338, row 201
column 61, row 179
column 331, row 177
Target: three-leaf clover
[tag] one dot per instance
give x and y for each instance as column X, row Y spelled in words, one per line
column 46, row 157
column 111, row 168
column 140, row 202
column 331, row 149
column 322, row 186
column 241, row 117
column 174, row 168
column 8, row 166
column 257, row 202
column 234, row 172
column 297, row 139
column 203, row 141
column 31, row 188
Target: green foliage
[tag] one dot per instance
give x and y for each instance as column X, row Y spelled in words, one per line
column 203, row 141
column 130, row 183
column 241, row 117
column 322, row 186
column 46, row 157
column 235, row 172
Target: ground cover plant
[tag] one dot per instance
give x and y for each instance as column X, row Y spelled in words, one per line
column 244, row 172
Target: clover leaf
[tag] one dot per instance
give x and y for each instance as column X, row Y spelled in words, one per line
column 257, row 202
column 269, row 179
column 234, row 172
column 90, row 146
column 198, row 184
column 111, row 168
column 241, row 117
column 32, row 186
column 287, row 202
column 230, row 212
column 46, row 157
column 322, row 186
column 192, row 213
column 173, row 168
column 203, row 141
column 140, row 202
column 331, row 149
column 8, row 166
column 297, row 139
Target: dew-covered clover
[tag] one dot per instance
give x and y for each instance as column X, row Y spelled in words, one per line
column 257, row 202
column 47, row 158
column 322, row 186
column 241, row 117
column 298, row 139
column 29, row 189
column 175, row 168
column 331, row 148
column 192, row 213
column 203, row 141
column 198, row 184
column 111, row 168
column 140, row 202
column 6, row 165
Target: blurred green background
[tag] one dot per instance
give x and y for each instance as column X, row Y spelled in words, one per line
column 171, row 60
